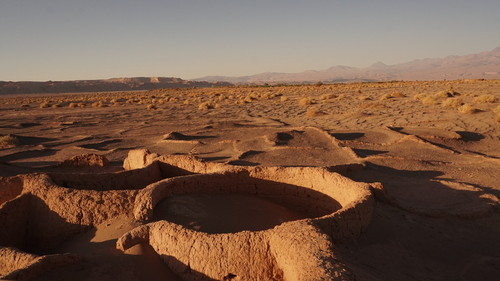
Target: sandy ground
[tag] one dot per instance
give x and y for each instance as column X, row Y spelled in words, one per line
column 434, row 146
column 224, row 213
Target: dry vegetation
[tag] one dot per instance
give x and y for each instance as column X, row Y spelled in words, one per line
column 369, row 99
column 9, row 141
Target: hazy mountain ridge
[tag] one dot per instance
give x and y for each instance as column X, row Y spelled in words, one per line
column 482, row 65
column 113, row 84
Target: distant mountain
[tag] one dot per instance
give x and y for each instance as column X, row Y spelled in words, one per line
column 114, row 84
column 483, row 65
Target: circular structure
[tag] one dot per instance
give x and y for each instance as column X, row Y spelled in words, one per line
column 328, row 207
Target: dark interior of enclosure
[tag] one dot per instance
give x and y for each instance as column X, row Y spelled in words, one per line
column 132, row 179
column 255, row 205
column 28, row 224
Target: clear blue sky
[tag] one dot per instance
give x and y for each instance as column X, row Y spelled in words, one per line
column 91, row 39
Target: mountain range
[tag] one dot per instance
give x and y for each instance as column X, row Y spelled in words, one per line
column 484, row 65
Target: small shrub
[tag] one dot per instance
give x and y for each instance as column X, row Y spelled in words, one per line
column 429, row 101
column 452, row 102
column 44, row 104
column 398, row 95
column 313, row 112
column 205, row 105
column 386, row 97
column 327, row 97
column 9, row 141
column 419, row 96
column 443, row 94
column 98, row 104
column 306, row 101
column 466, row 109
column 497, row 109
column 485, row 99
column 249, row 98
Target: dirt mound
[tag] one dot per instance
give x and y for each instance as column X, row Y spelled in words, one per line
column 86, row 160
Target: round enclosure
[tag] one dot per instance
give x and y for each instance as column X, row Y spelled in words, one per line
column 251, row 223
column 219, row 212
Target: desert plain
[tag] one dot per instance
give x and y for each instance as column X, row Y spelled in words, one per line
column 428, row 152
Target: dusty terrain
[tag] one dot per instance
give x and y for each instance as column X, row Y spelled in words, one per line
column 431, row 151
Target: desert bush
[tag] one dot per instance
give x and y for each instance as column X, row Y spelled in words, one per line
column 313, row 112
column 249, row 98
column 443, row 94
column 9, row 141
column 398, row 95
column 452, row 102
column 306, row 101
column 386, row 97
column 466, row 109
column 98, row 104
column 327, row 96
column 419, row 96
column 429, row 100
column 497, row 109
column 485, row 99
column 206, row 105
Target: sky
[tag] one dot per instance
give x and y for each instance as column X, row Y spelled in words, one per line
column 43, row 40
